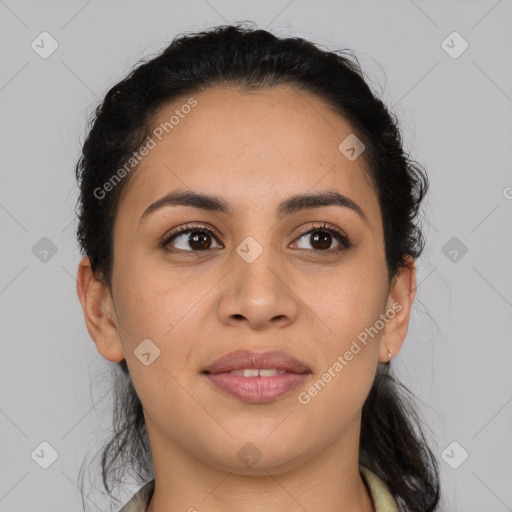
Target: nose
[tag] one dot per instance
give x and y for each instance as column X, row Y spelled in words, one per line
column 258, row 294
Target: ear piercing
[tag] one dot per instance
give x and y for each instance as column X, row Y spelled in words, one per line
column 389, row 354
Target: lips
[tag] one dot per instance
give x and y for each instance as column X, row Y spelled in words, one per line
column 257, row 378
column 245, row 359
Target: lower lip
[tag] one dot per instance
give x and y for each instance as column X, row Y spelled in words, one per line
column 257, row 390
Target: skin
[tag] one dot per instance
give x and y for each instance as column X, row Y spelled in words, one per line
column 254, row 150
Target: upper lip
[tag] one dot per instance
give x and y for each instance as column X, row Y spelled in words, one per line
column 242, row 359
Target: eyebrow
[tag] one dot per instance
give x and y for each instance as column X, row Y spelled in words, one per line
column 290, row 206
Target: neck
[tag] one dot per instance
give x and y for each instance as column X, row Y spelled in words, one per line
column 329, row 480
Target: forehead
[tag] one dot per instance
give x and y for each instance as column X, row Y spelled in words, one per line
column 255, row 145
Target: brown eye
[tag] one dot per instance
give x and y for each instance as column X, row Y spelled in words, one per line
column 321, row 239
column 191, row 239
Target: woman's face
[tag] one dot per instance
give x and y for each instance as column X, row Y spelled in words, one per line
column 256, row 278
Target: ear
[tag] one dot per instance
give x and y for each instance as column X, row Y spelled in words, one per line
column 99, row 312
column 398, row 309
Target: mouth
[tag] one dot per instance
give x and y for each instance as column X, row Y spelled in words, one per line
column 242, row 360
column 257, row 378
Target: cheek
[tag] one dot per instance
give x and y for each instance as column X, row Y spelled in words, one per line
column 149, row 308
column 346, row 300
column 153, row 303
column 348, row 344
column 336, row 398
column 348, row 347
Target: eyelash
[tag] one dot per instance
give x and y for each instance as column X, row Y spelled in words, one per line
column 341, row 237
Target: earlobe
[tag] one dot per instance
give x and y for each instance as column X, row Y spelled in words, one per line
column 398, row 309
column 99, row 313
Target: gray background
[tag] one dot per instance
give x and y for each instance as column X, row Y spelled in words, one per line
column 455, row 115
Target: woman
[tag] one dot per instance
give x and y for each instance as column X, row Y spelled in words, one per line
column 248, row 219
